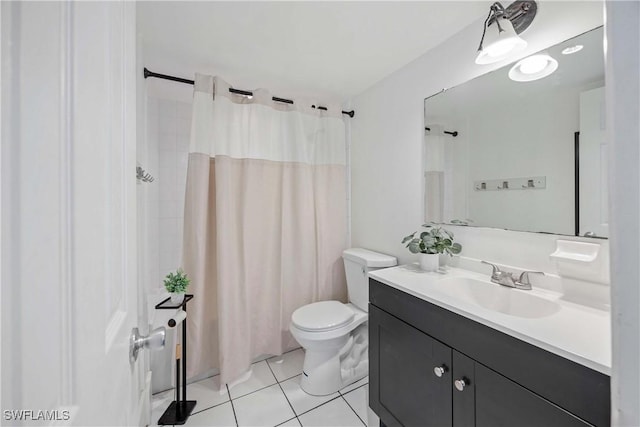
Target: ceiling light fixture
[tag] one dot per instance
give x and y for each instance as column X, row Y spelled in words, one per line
column 572, row 49
column 500, row 34
column 533, row 67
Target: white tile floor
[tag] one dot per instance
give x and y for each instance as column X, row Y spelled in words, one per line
column 272, row 397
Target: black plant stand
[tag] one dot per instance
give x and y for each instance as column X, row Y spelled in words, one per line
column 178, row 412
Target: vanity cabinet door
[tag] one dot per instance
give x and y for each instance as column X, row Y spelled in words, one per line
column 404, row 388
column 501, row 402
column 464, row 390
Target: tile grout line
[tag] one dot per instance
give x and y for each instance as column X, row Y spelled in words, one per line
column 247, row 394
column 290, row 419
column 287, row 379
column 218, row 374
column 235, row 417
column 340, row 394
column 251, row 392
column 217, row 404
column 285, row 395
column 322, row 404
column 353, row 389
column 354, row 411
column 299, row 348
column 211, row 407
column 330, row 400
column 315, row 407
column 267, row 386
column 278, row 355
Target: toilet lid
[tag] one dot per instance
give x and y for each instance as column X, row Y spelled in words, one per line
column 322, row 316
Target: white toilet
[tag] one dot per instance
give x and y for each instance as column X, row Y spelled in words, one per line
column 334, row 335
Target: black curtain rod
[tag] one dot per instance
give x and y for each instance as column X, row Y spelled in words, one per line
column 148, row 73
column 454, row 133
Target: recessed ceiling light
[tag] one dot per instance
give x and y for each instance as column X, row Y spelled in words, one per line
column 572, row 49
column 533, row 64
column 533, row 67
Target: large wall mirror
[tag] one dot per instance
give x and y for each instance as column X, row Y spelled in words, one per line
column 522, row 155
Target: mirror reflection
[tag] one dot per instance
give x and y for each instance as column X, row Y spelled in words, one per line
column 523, row 147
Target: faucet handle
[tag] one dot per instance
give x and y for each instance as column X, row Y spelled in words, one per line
column 524, row 277
column 496, row 270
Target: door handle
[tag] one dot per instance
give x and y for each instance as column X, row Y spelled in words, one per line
column 154, row 341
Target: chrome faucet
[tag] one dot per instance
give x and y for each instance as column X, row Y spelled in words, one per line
column 510, row 280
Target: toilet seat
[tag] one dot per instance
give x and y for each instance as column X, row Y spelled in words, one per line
column 322, row 316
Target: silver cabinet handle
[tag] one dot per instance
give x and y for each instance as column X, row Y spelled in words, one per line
column 440, row 370
column 461, row 384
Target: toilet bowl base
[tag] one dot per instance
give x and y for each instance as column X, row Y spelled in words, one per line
column 321, row 373
column 328, row 369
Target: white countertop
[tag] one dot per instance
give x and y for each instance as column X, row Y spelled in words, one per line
column 576, row 332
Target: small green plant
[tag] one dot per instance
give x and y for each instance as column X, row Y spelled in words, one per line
column 437, row 240
column 177, row 282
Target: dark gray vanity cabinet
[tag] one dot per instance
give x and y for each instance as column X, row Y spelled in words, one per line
column 432, row 367
column 406, row 381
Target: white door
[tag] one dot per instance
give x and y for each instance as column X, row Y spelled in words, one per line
column 69, row 296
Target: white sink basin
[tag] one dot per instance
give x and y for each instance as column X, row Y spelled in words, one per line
column 510, row 301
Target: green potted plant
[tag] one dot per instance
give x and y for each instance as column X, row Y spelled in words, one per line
column 177, row 284
column 430, row 244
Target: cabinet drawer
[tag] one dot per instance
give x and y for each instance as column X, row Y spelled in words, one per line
column 573, row 387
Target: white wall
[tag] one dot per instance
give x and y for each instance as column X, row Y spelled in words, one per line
column 387, row 136
column 623, row 134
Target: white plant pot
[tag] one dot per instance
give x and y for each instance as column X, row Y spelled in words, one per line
column 429, row 262
column 177, row 298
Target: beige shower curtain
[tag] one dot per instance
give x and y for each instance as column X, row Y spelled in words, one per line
column 265, row 222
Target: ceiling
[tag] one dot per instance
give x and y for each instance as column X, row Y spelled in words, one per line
column 324, row 49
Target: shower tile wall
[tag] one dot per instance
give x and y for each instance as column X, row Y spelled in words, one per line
column 149, row 194
column 168, row 126
column 174, row 124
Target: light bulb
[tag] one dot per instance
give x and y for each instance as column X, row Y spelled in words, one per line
column 500, row 44
column 533, row 64
column 501, row 47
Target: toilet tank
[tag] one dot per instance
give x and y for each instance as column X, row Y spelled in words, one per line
column 358, row 263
